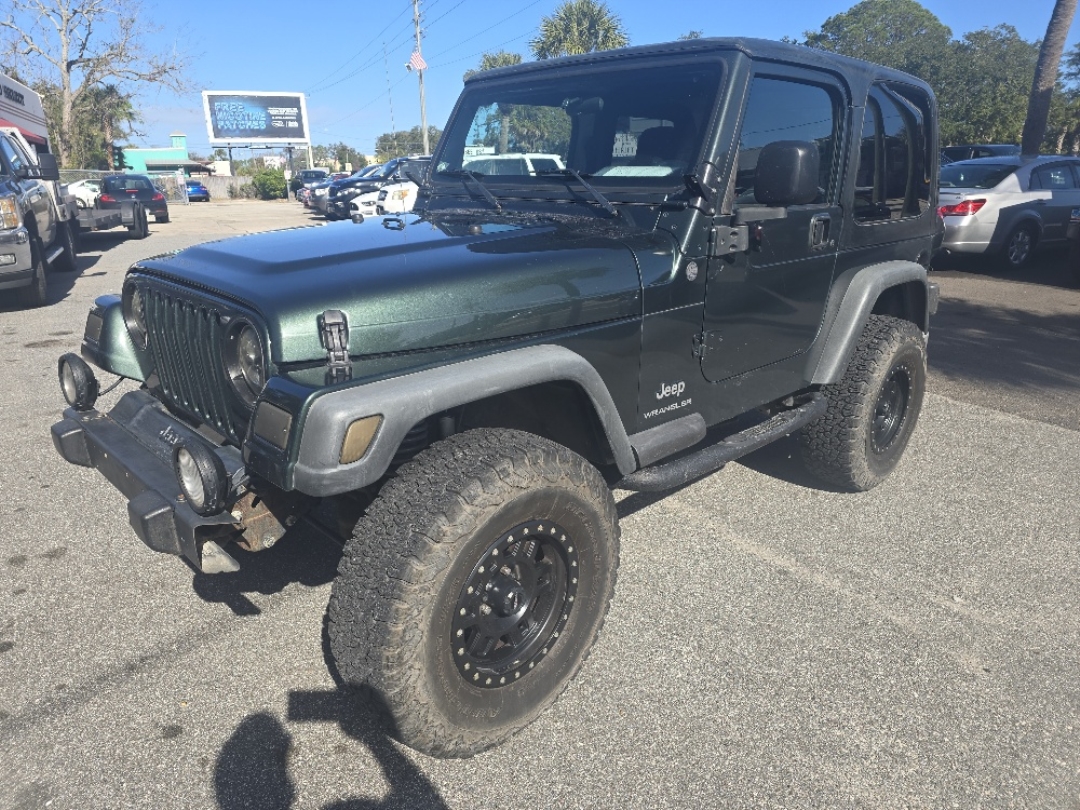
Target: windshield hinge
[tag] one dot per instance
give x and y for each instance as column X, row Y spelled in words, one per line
column 334, row 336
column 726, row 239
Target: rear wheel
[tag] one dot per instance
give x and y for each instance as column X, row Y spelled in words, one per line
column 872, row 411
column 161, row 218
column 1019, row 247
column 474, row 588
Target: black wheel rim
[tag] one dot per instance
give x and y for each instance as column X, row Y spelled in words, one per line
column 891, row 408
column 514, row 604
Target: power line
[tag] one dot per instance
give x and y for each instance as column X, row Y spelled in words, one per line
column 490, row 27
column 357, row 55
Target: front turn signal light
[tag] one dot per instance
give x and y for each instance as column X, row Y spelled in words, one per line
column 358, row 438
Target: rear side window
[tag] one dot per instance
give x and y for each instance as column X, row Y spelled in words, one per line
column 1052, row 178
column 893, row 177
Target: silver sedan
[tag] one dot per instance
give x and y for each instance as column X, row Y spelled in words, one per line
column 1007, row 205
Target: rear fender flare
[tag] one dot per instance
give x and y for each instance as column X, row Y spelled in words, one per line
column 827, row 364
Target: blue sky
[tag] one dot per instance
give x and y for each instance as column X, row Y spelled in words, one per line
column 334, row 52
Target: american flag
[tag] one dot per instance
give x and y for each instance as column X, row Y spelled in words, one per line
column 416, row 62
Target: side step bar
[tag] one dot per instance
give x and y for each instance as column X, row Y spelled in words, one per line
column 710, row 459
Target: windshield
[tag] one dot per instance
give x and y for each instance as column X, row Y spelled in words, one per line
column 624, row 127
column 974, row 175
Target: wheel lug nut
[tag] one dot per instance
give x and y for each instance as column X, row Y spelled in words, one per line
column 485, row 609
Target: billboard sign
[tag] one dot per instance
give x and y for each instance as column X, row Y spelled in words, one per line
column 255, row 117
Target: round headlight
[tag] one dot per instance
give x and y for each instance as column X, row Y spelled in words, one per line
column 246, row 361
column 136, row 316
column 250, row 356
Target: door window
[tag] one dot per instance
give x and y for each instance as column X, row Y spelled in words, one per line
column 787, row 110
column 12, row 156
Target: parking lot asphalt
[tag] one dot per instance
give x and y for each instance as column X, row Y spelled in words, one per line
column 771, row 644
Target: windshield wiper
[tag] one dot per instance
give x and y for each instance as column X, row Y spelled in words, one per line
column 604, row 202
column 466, row 174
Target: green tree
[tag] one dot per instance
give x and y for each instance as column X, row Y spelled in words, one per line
column 579, row 26
column 898, row 33
column 487, row 62
column 494, row 59
column 695, row 34
column 1046, row 75
column 390, row 145
column 982, row 100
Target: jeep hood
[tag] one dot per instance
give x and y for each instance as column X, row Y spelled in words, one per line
column 413, row 283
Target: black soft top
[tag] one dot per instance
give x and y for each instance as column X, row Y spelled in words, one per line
column 856, row 71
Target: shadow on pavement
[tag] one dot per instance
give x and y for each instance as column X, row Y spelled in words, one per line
column 1049, row 267
column 252, row 769
column 304, row 555
column 984, row 343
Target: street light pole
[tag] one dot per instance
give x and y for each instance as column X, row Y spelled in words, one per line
column 420, row 75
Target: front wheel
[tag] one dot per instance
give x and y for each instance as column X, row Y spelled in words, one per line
column 474, row 588
column 872, row 411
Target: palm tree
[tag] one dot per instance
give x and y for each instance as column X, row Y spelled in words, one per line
column 579, row 26
column 1046, row 74
column 494, row 60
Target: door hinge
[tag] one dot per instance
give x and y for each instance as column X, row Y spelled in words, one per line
column 705, row 342
column 725, row 239
column 334, row 335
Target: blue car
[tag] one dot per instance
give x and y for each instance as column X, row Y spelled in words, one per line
column 197, row 191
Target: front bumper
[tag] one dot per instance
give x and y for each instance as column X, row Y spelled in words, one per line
column 132, row 447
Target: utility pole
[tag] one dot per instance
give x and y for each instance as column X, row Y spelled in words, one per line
column 390, row 97
column 420, row 75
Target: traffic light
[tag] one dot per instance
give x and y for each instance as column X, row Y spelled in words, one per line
column 118, row 157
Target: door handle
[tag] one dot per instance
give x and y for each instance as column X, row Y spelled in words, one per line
column 820, row 225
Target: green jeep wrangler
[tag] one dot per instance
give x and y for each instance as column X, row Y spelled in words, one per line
column 733, row 250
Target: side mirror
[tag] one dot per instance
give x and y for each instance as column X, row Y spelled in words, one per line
column 787, row 173
column 48, row 169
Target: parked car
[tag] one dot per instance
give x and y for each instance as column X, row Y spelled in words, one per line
column 400, row 197
column 362, row 196
column 85, row 192
column 513, row 163
column 117, row 187
column 306, row 178
column 1006, row 205
column 366, row 181
column 197, row 191
column 969, row 151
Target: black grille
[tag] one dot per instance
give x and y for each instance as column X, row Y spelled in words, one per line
column 185, row 339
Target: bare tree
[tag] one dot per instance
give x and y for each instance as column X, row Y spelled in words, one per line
column 1046, row 74
column 79, row 45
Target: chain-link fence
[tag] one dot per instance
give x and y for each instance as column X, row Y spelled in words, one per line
column 171, row 184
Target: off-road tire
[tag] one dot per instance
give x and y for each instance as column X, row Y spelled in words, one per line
column 872, row 411
column 395, row 625
column 37, row 294
column 66, row 262
column 1019, row 247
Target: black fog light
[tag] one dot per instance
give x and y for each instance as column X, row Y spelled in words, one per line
column 202, row 477
column 78, row 382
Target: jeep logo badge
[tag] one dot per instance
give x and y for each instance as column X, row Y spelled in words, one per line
column 672, row 390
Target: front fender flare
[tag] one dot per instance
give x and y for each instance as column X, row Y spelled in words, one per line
column 405, row 401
